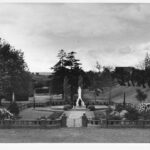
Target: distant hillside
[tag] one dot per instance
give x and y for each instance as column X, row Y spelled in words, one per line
column 117, row 94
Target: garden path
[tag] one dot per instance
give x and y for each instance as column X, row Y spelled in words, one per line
column 74, row 117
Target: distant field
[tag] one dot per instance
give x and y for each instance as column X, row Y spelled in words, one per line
column 75, row 135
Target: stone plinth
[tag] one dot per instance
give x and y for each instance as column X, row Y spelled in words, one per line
column 79, row 108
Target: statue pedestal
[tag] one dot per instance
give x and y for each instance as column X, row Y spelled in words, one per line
column 82, row 103
column 79, row 108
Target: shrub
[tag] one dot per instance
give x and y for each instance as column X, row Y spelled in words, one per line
column 119, row 108
column 132, row 114
column 13, row 108
column 91, row 107
column 67, row 107
column 145, row 115
column 109, row 110
column 99, row 114
column 42, row 90
column 112, row 117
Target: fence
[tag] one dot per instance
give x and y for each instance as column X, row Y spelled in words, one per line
column 30, row 123
column 119, row 123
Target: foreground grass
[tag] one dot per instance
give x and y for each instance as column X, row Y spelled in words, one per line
column 75, row 135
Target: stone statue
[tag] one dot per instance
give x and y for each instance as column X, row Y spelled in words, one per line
column 79, row 98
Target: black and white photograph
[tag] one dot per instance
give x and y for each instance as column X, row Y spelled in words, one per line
column 74, row 72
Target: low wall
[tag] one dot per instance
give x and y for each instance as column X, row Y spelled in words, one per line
column 30, row 124
column 119, row 123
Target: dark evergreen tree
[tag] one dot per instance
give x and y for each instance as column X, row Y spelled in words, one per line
column 69, row 66
column 66, row 89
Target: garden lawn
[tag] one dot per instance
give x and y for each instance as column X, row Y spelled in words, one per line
column 75, row 135
column 31, row 114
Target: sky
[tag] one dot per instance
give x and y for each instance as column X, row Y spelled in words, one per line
column 112, row 34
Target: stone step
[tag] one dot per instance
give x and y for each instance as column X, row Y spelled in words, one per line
column 74, row 118
column 74, row 122
column 75, row 114
column 79, row 108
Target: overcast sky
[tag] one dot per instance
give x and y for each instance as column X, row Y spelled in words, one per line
column 113, row 34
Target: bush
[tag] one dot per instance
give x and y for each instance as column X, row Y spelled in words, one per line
column 13, row 108
column 42, row 91
column 119, row 108
column 132, row 114
column 109, row 110
column 67, row 107
column 91, row 107
column 99, row 114
column 113, row 117
column 145, row 115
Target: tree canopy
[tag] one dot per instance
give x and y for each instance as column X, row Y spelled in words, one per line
column 67, row 67
column 141, row 96
column 14, row 73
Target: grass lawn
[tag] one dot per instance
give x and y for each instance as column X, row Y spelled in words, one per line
column 32, row 114
column 75, row 135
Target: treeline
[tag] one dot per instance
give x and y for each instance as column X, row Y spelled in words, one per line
column 134, row 76
column 68, row 75
column 68, row 71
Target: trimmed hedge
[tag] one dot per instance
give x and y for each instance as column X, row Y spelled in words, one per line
column 91, row 107
column 13, row 108
column 22, row 97
column 42, row 91
column 67, row 107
